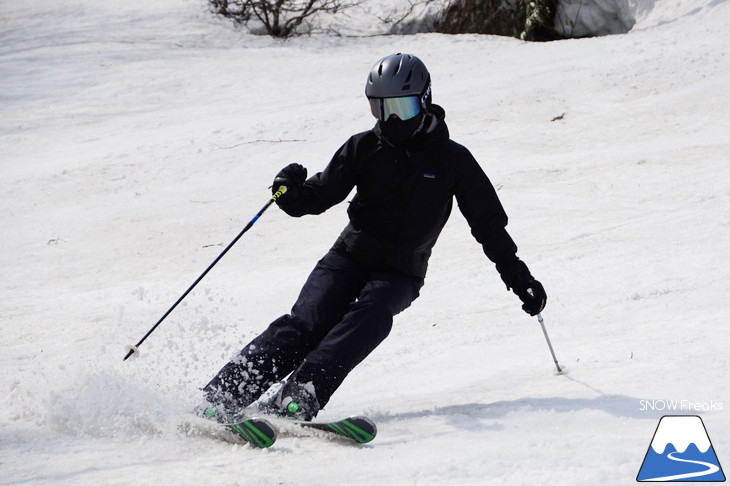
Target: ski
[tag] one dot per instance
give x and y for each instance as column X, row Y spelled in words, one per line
column 357, row 429
column 262, row 433
column 258, row 432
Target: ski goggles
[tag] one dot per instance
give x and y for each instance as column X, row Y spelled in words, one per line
column 404, row 107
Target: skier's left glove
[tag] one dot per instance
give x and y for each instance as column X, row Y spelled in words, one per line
column 517, row 277
column 533, row 296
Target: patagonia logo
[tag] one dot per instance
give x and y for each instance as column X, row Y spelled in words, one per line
column 428, row 175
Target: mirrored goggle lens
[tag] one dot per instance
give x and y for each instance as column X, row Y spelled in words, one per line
column 404, row 108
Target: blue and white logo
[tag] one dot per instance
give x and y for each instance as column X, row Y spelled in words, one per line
column 681, row 451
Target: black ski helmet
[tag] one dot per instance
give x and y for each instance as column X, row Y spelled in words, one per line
column 399, row 75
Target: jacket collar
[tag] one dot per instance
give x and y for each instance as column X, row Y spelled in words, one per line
column 433, row 129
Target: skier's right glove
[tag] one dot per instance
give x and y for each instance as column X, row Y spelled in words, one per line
column 292, row 176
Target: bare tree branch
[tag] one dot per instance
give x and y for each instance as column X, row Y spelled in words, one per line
column 280, row 18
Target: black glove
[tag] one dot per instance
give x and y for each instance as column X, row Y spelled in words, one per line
column 292, row 176
column 533, row 296
column 517, row 277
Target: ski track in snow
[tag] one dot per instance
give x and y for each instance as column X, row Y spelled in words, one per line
column 137, row 139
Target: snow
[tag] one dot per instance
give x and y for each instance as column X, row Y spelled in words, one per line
column 138, row 138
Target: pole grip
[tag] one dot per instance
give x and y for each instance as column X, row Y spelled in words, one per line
column 279, row 192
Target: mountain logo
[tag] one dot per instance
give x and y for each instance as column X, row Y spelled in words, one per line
column 681, row 451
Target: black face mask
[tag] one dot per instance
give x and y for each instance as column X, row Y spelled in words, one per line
column 398, row 131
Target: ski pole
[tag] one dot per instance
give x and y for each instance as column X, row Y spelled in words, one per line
column 544, row 331
column 274, row 197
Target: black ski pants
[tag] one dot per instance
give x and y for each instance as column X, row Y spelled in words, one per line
column 343, row 312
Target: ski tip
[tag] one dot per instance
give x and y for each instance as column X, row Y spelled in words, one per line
column 373, row 429
column 359, row 429
column 365, row 420
column 367, row 430
column 258, row 432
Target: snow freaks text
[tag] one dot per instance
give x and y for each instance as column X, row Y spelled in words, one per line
column 680, row 406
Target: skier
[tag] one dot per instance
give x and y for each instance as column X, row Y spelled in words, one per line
column 407, row 172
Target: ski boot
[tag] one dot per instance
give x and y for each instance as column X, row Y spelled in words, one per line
column 295, row 401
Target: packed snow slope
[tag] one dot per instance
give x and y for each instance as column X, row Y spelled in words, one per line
column 137, row 138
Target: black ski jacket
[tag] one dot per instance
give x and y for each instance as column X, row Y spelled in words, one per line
column 404, row 198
